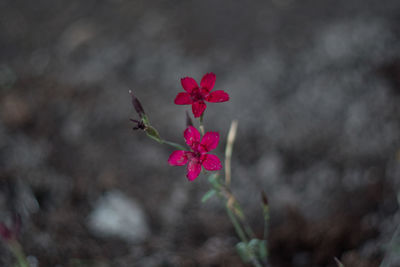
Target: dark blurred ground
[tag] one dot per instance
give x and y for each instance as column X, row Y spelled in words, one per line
column 315, row 86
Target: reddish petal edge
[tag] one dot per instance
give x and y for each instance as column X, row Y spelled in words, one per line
column 183, row 99
column 212, row 163
column 189, row 84
column 192, row 137
column 198, row 108
column 194, row 169
column 178, row 158
column 208, row 81
column 218, row 96
column 209, row 141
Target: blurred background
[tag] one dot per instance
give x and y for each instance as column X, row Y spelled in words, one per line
column 315, row 86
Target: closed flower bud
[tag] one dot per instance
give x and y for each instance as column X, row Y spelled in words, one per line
column 137, row 105
column 189, row 121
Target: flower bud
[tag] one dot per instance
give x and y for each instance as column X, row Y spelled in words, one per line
column 137, row 105
column 139, row 125
column 189, row 121
column 264, row 198
column 153, row 133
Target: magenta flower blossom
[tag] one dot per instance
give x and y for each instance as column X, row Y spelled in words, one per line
column 198, row 156
column 196, row 95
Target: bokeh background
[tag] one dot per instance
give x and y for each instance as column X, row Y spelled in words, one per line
column 315, row 86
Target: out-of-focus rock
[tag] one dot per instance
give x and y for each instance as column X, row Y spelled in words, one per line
column 15, row 110
column 116, row 215
column 25, row 153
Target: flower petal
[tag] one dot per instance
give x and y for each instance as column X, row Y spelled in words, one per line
column 192, row 137
column 212, row 163
column 217, row 96
column 208, row 81
column 198, row 108
column 194, row 169
column 209, row 142
column 183, row 99
column 189, row 84
column 178, row 158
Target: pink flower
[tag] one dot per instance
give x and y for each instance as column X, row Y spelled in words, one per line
column 198, row 156
column 196, row 95
column 10, row 233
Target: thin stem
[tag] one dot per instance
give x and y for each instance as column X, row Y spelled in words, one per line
column 242, row 235
column 266, row 223
column 395, row 238
column 233, row 214
column 255, row 262
column 178, row 146
column 228, row 151
column 237, row 226
column 19, row 254
column 228, row 174
column 247, row 228
column 201, row 124
column 234, row 204
column 265, row 210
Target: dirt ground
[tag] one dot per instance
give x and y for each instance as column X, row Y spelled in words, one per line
column 315, row 86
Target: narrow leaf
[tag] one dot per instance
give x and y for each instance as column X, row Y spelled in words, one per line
column 213, row 179
column 243, row 251
column 208, row 195
column 338, row 262
column 153, row 133
column 253, row 244
column 137, row 105
column 263, row 250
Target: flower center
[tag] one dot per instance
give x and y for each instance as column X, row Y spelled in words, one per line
column 196, row 95
column 194, row 155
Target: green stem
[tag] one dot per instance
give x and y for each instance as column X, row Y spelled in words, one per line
column 386, row 262
column 242, row 236
column 237, row 226
column 201, row 124
column 178, row 146
column 19, row 254
column 266, row 222
column 241, row 216
column 245, row 223
column 255, row 262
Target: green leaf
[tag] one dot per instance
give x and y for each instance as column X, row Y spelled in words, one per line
column 243, row 251
column 153, row 133
column 338, row 262
column 208, row 195
column 266, row 213
column 258, row 247
column 238, row 210
column 263, row 250
column 213, row 179
column 253, row 244
column 145, row 120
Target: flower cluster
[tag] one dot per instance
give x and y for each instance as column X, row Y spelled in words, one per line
column 197, row 156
